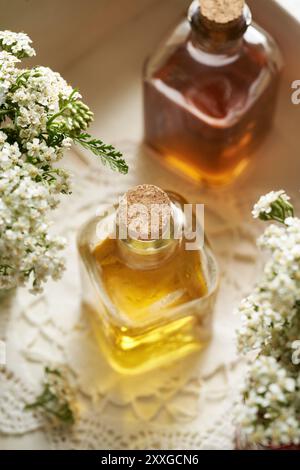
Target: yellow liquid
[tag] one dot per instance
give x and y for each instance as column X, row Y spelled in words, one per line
column 146, row 299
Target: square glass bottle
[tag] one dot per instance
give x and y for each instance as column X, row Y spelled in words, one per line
column 149, row 300
column 210, row 92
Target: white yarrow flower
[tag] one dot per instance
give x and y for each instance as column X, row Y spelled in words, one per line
column 40, row 116
column 270, row 321
column 264, row 205
column 16, row 43
column 296, row 353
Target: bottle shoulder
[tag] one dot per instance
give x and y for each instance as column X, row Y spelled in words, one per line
column 215, row 86
column 266, row 48
column 257, row 46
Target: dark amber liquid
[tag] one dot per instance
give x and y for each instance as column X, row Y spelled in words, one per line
column 205, row 119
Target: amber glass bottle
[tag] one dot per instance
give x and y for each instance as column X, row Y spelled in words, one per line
column 210, row 94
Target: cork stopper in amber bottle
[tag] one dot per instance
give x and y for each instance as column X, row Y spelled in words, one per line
column 222, row 11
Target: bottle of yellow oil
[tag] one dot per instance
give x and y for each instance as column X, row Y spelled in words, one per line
column 148, row 297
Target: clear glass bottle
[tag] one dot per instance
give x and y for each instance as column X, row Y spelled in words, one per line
column 149, row 302
column 210, row 94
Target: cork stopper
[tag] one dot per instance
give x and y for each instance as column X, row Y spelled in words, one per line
column 144, row 213
column 222, row 11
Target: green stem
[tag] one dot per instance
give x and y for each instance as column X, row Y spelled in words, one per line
column 62, row 110
column 6, row 111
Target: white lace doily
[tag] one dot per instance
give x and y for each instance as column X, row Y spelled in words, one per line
column 187, row 405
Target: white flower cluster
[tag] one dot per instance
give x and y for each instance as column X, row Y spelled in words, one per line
column 8, row 73
column 39, row 94
column 26, row 247
column 16, row 43
column 270, row 414
column 271, row 202
column 40, row 116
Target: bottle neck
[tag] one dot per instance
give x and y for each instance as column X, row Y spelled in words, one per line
column 146, row 255
column 217, row 38
column 151, row 254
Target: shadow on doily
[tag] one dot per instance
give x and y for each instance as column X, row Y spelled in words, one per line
column 174, row 393
column 8, row 299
